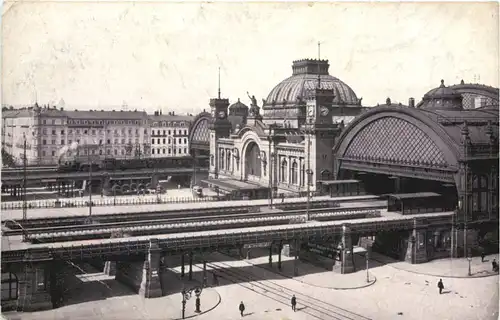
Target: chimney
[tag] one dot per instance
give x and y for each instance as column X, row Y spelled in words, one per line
column 411, row 102
column 62, row 109
column 173, row 113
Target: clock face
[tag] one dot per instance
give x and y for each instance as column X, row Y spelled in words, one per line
column 324, row 111
column 311, row 112
column 222, row 114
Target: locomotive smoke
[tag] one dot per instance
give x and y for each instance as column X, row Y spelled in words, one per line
column 64, row 150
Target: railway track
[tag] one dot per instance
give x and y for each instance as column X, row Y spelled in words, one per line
column 315, row 308
column 188, row 224
column 78, row 221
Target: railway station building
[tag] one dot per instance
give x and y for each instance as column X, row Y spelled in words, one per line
column 312, row 133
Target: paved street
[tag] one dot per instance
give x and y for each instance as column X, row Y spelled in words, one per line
column 397, row 294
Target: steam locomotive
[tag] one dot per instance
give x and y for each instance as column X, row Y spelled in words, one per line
column 113, row 164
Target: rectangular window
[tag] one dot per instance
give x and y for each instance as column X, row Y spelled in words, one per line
column 53, row 141
column 62, row 142
column 53, row 131
column 53, row 153
column 62, row 131
column 152, row 151
column 44, row 141
column 163, row 151
column 109, row 141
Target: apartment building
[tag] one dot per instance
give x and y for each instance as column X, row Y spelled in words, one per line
column 169, row 134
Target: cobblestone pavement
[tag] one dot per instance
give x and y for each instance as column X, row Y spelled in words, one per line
column 397, row 294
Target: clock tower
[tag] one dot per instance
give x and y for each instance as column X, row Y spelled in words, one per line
column 219, row 127
column 321, row 132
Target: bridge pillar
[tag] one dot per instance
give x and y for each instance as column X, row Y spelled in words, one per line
column 151, row 284
column 271, row 254
column 417, row 243
column 296, row 258
column 182, row 264
column 279, row 254
column 190, row 265
column 34, row 282
column 347, row 263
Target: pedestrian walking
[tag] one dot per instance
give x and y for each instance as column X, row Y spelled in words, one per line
column 294, row 303
column 242, row 308
column 440, row 286
column 482, row 256
column 494, row 264
column 282, row 197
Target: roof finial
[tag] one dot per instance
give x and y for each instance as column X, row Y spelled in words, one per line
column 319, row 57
column 219, row 82
column 442, row 83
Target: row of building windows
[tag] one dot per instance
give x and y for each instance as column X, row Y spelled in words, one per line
column 158, row 132
column 108, row 141
column 101, row 122
column 169, row 151
column 179, row 140
column 94, row 132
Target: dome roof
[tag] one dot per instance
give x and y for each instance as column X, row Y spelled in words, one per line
column 238, row 105
column 305, row 78
column 442, row 98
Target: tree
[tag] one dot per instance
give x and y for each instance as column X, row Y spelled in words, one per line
column 7, row 159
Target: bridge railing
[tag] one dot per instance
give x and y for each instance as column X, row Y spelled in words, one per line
column 69, row 203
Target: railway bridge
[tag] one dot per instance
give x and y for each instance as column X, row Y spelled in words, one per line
column 38, row 267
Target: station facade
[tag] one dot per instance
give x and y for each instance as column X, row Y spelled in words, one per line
column 312, row 129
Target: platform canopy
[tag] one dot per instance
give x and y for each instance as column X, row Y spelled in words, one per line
column 231, row 185
column 416, row 195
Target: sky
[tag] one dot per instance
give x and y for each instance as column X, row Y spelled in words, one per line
column 166, row 55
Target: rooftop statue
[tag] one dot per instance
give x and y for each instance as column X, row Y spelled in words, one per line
column 254, row 101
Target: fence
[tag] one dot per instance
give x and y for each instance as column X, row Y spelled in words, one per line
column 101, row 202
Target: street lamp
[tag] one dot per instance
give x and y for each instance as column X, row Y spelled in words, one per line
column 197, row 292
column 367, row 265
column 185, row 297
column 469, row 258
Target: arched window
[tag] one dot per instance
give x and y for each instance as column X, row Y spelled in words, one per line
column 228, row 160
column 295, row 168
column 221, row 160
column 9, row 286
column 303, row 175
column 284, row 166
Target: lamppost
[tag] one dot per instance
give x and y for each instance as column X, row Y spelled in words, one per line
column 469, row 258
column 25, row 203
column 197, row 292
column 270, row 170
column 367, row 265
column 308, row 171
column 185, row 297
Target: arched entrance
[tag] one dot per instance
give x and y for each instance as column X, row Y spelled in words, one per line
column 253, row 166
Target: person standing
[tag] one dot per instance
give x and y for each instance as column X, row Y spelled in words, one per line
column 482, row 256
column 294, row 303
column 440, row 286
column 242, row 308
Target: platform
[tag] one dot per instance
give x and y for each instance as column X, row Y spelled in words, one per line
column 83, row 211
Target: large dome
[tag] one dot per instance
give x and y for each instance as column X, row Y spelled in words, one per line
column 305, row 78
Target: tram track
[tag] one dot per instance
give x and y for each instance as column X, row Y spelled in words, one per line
column 315, row 308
